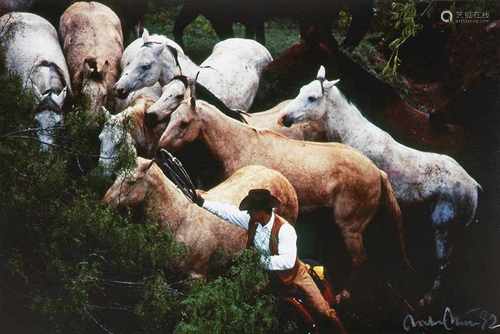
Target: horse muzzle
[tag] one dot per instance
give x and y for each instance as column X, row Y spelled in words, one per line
column 287, row 121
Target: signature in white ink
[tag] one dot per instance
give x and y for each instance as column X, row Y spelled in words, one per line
column 474, row 318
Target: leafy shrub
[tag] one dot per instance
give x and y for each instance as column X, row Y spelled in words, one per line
column 232, row 303
column 403, row 19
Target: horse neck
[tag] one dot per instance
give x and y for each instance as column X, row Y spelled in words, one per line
column 144, row 138
column 173, row 209
column 165, row 201
column 188, row 67
column 219, row 132
column 344, row 121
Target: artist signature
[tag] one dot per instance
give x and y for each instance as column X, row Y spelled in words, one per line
column 474, row 318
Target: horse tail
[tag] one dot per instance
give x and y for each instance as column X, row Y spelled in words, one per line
column 473, row 202
column 392, row 212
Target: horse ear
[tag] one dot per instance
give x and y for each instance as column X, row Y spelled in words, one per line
column 145, row 36
column 158, row 49
column 106, row 113
column 90, row 66
column 59, row 98
column 191, row 93
column 37, row 93
column 64, row 92
column 321, row 73
column 105, row 67
column 329, row 84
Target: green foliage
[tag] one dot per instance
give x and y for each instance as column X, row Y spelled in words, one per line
column 72, row 258
column 403, row 17
column 232, row 303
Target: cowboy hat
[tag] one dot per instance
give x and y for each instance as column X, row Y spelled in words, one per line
column 259, row 199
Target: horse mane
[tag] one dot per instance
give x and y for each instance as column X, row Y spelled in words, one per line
column 206, row 95
column 348, row 103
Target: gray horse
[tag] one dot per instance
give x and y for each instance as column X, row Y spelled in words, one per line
column 34, row 55
column 232, row 72
column 417, row 177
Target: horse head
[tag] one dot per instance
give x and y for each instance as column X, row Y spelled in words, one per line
column 131, row 188
column 114, row 136
column 49, row 115
column 94, row 86
column 149, row 64
column 185, row 124
column 310, row 104
column 172, row 95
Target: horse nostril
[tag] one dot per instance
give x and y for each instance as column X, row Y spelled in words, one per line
column 121, row 93
column 151, row 120
column 287, row 121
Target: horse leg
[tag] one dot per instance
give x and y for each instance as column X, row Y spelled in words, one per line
column 139, row 27
column 186, row 16
column 443, row 215
column 223, row 28
column 260, row 32
column 249, row 31
column 362, row 14
column 355, row 246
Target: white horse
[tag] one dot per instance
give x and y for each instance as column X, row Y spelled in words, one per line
column 232, row 72
column 417, row 177
column 34, row 55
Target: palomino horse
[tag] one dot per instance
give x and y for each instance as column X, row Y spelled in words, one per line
column 33, row 54
column 93, row 44
column 435, row 179
column 127, row 128
column 235, row 67
column 202, row 232
column 325, row 175
column 173, row 94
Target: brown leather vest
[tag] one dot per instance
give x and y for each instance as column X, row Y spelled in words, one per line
column 284, row 276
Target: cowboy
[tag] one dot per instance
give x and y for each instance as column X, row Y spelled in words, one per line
column 276, row 240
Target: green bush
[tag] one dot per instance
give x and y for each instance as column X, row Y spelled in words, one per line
column 233, row 303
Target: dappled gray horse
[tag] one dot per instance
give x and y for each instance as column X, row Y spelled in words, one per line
column 33, row 53
column 235, row 68
column 417, row 177
column 93, row 44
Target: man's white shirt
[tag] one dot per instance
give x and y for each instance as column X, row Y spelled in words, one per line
column 287, row 245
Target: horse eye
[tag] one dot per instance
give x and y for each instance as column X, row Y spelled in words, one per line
column 146, row 67
column 311, row 98
column 179, row 97
column 184, row 124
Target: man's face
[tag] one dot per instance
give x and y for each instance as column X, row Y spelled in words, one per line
column 260, row 216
